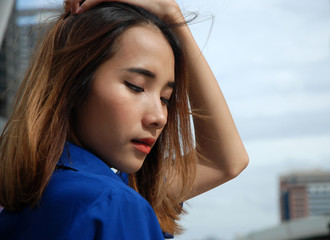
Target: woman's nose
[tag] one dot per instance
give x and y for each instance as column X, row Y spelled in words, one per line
column 155, row 115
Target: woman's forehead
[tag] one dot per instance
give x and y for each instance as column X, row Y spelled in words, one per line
column 145, row 47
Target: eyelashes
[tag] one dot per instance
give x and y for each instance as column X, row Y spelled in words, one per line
column 138, row 89
column 165, row 101
column 133, row 87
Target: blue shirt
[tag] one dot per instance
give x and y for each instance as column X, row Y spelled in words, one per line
column 84, row 199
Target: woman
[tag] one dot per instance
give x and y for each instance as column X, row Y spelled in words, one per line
column 110, row 87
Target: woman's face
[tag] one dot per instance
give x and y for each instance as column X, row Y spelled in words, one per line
column 126, row 108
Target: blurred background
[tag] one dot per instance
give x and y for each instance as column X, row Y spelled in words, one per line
column 271, row 59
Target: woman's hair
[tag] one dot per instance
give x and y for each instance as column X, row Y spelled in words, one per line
column 58, row 78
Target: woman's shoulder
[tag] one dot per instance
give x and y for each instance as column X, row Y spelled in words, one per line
column 70, row 186
column 84, row 205
column 100, row 201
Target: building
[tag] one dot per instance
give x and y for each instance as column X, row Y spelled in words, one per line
column 17, row 45
column 5, row 12
column 304, row 194
column 304, row 207
column 309, row 228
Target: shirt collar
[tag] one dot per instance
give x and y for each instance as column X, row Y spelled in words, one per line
column 80, row 159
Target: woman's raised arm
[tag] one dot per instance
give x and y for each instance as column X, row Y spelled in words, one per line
column 223, row 153
column 217, row 138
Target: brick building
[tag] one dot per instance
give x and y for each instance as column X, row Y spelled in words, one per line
column 304, row 194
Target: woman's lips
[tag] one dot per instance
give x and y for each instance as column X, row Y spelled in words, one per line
column 144, row 145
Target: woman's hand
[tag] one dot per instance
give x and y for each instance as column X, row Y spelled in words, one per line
column 167, row 10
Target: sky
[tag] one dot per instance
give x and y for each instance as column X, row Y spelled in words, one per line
column 271, row 59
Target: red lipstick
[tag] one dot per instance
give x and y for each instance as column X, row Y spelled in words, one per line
column 143, row 144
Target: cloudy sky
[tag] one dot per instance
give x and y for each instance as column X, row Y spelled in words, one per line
column 271, row 59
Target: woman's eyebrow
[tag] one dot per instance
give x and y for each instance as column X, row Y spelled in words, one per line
column 147, row 73
column 141, row 71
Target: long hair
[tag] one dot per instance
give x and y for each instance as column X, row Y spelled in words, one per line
column 58, row 78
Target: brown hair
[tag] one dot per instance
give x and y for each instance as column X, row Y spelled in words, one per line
column 58, row 78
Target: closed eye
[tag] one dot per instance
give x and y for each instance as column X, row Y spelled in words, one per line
column 165, row 101
column 133, row 87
